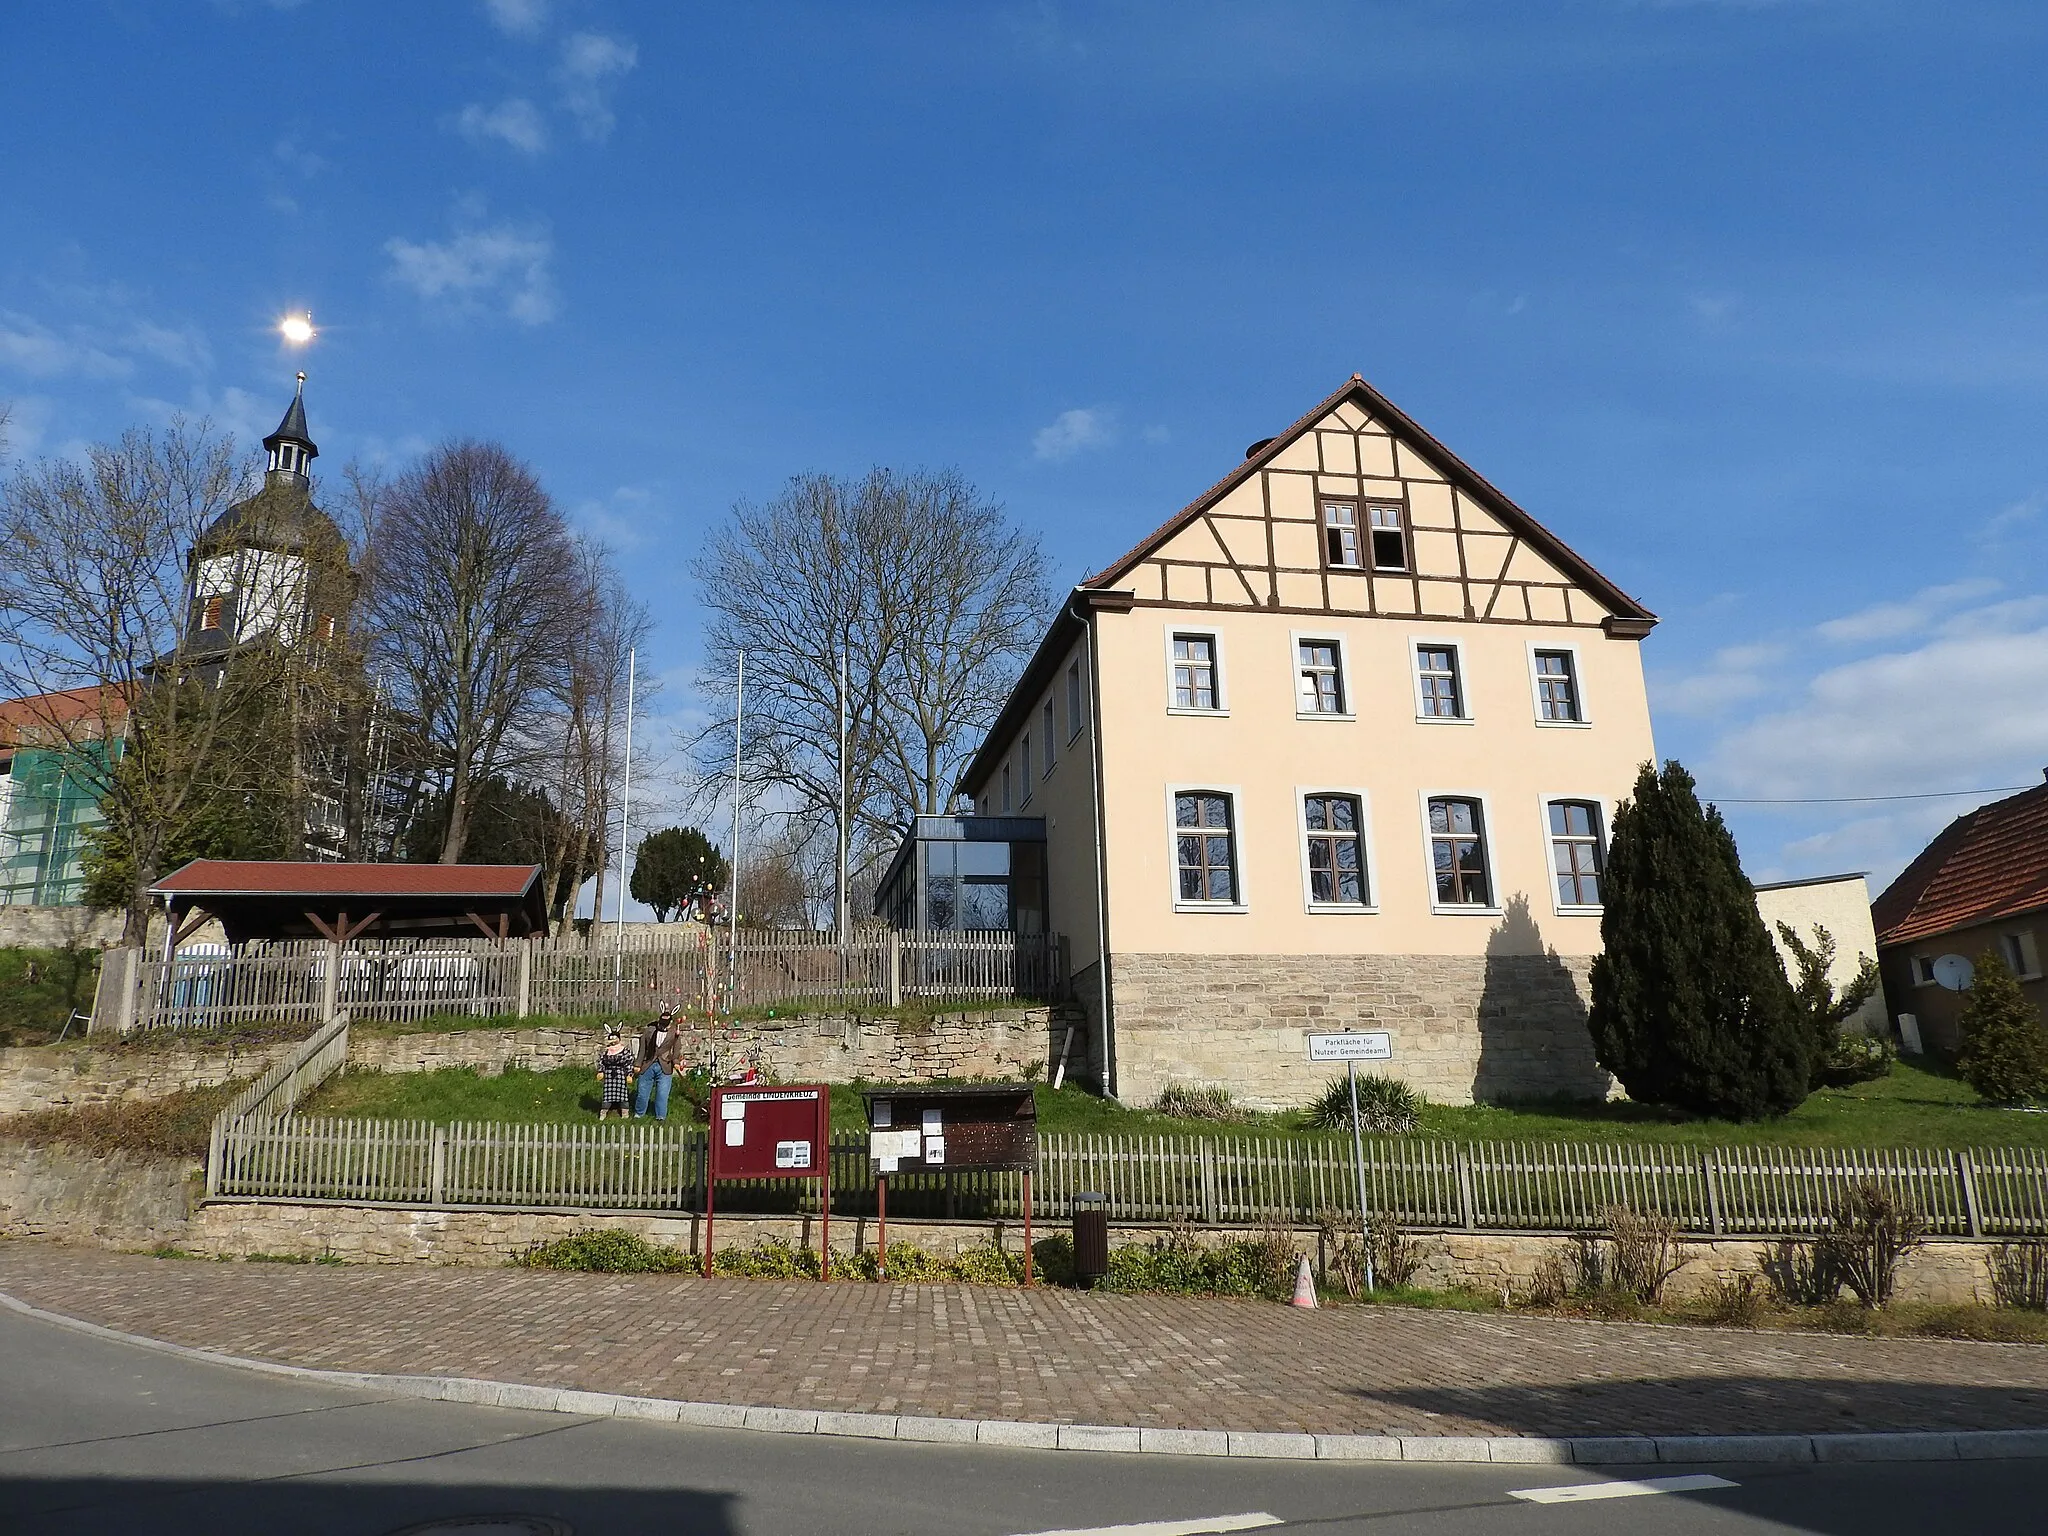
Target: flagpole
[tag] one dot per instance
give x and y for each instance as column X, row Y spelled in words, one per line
column 625, row 815
column 732, row 916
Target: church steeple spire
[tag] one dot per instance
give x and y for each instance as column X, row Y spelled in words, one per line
column 291, row 445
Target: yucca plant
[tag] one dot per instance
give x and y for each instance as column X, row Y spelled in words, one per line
column 1386, row 1106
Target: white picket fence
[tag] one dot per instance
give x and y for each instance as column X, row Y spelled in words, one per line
column 1219, row 1181
column 209, row 987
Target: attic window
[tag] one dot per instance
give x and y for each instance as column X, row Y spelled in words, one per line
column 1389, row 539
column 210, row 613
column 323, row 627
column 1340, row 533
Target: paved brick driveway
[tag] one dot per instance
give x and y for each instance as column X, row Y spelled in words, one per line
column 966, row 1352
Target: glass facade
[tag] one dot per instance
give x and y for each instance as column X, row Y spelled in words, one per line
column 47, row 805
column 967, row 873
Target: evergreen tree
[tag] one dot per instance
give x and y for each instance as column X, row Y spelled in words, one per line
column 2004, row 1054
column 675, row 868
column 1691, row 1008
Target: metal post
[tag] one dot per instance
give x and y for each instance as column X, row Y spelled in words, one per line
column 625, row 819
column 1358, row 1159
column 882, row 1226
column 1027, row 1226
column 526, row 976
column 732, row 916
column 895, row 944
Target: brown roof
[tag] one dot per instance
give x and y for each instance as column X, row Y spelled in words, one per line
column 39, row 712
column 253, row 877
column 1987, row 864
column 1461, row 474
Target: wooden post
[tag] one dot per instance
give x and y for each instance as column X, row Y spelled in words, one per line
column 710, row 1203
column 1966, row 1172
column 330, row 983
column 895, row 944
column 1712, row 1175
column 1467, row 1217
column 437, row 1173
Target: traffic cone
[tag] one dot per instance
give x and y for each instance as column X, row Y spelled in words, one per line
column 1304, row 1285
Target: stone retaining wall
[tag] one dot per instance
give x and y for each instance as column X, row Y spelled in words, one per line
column 1466, row 1027
column 998, row 1043
column 114, row 1201
column 62, row 1077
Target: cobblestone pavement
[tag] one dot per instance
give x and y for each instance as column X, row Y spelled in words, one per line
column 1047, row 1356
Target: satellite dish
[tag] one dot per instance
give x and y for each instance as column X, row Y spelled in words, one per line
column 1954, row 972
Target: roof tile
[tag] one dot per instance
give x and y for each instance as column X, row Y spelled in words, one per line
column 1989, row 863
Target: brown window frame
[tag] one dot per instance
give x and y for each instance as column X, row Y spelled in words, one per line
column 1327, row 533
column 1458, row 872
column 1399, row 529
column 1568, row 842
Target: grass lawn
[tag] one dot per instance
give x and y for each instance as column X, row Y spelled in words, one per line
column 1915, row 1106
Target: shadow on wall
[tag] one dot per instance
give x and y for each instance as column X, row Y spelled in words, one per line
column 1533, row 1041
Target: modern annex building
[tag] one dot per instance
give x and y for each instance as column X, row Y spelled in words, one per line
column 1337, row 745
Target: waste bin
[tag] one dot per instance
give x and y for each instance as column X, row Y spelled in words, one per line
column 1091, row 1238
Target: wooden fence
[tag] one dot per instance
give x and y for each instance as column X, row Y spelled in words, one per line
column 1220, row 1181
column 210, row 986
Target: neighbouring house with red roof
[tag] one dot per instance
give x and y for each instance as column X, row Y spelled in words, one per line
column 1981, row 886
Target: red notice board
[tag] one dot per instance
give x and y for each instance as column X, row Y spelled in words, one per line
column 771, row 1133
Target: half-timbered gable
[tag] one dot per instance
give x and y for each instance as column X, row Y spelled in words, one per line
column 1356, row 511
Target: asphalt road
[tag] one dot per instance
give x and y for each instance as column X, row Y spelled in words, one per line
column 105, row 1437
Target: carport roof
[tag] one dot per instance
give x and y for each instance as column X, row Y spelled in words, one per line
column 283, row 899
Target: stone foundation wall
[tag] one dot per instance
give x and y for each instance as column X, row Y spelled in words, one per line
column 998, row 1043
column 60, row 1077
column 114, row 1201
column 1465, row 1027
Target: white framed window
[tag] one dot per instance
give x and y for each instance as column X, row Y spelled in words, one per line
column 1440, row 682
column 2021, row 956
column 1336, row 851
column 1557, row 687
column 1194, row 673
column 1389, row 536
column 1075, row 713
column 1208, row 867
column 1045, row 720
column 1340, row 535
column 1024, row 761
column 1923, row 970
column 1461, row 874
column 1576, row 830
column 1322, row 683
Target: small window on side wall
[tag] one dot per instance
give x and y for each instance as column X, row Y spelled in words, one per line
column 1046, row 726
column 1457, row 848
column 1320, row 678
column 2021, row 956
column 1389, row 539
column 1333, row 826
column 1576, row 852
column 1439, row 688
column 1205, row 848
column 1074, row 712
column 1340, row 534
column 1557, row 688
column 1194, row 673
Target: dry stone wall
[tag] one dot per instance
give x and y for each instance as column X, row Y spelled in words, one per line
column 62, row 1077
column 112, row 1201
column 1465, row 1027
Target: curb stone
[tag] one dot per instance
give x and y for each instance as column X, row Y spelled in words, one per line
column 1594, row 1450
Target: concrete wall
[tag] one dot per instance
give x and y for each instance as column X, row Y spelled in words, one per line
column 116, row 1201
column 36, row 1077
column 1464, row 1027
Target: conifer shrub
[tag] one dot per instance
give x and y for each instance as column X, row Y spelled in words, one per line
column 1691, row 1008
column 2004, row 1049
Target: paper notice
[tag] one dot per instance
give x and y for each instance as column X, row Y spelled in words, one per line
column 735, row 1133
column 885, row 1165
column 883, row 1114
column 935, row 1149
column 909, row 1143
column 792, row 1154
column 931, row 1121
column 733, row 1109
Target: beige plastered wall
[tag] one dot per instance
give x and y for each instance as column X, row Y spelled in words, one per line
column 1842, row 906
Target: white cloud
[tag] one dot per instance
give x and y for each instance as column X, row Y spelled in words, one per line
column 521, row 18
column 516, row 122
column 1734, row 673
column 1896, row 620
column 621, row 520
column 481, row 266
column 1074, row 432
column 2009, row 520
column 27, row 346
column 590, row 62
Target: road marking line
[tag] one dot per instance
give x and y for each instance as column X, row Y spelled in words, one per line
column 1576, row 1493
column 1202, row 1526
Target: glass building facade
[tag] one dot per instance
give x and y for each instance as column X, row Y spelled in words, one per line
column 967, row 873
column 47, row 805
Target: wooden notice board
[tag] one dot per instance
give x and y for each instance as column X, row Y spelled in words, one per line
column 926, row 1129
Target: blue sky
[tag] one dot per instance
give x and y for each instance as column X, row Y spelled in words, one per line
column 1747, row 300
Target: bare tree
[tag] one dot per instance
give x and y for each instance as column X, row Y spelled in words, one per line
column 911, row 587
column 473, row 599
column 975, row 599
column 96, row 635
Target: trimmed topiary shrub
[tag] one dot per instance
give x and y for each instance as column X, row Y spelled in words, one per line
column 1691, row 1008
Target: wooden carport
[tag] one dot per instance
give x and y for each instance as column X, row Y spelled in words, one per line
column 278, row 899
